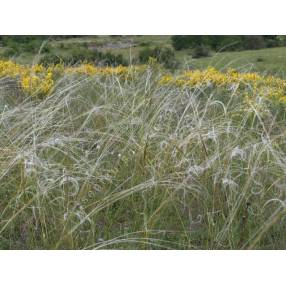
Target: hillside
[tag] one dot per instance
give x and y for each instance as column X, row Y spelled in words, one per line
column 270, row 60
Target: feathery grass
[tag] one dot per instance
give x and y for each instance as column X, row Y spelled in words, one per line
column 105, row 162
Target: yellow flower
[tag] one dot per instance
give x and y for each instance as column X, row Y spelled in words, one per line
column 38, row 79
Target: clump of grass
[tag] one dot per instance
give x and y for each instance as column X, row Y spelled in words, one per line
column 105, row 162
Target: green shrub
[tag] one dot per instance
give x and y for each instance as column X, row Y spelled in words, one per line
column 62, row 46
column 165, row 56
column 82, row 55
column 50, row 59
column 144, row 55
column 109, row 59
column 9, row 52
column 281, row 40
column 144, row 44
column 185, row 42
column 253, row 42
column 260, row 59
column 224, row 43
column 200, row 51
column 24, row 44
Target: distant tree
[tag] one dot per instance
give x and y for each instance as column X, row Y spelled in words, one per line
column 225, row 42
column 281, row 40
column 272, row 41
column 185, row 42
column 253, row 42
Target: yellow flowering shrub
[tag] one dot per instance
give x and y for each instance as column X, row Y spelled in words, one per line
column 268, row 86
column 34, row 84
column 39, row 80
column 90, row 69
column 33, row 80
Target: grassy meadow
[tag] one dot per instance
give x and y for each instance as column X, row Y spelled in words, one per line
column 141, row 157
column 265, row 61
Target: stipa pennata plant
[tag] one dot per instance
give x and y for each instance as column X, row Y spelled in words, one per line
column 114, row 161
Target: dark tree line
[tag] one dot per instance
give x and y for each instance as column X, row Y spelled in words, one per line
column 226, row 43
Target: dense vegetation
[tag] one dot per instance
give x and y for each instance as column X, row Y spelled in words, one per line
column 114, row 50
column 135, row 157
column 165, row 56
column 227, row 43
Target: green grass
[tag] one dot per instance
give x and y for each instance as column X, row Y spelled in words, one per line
column 108, row 163
column 265, row 61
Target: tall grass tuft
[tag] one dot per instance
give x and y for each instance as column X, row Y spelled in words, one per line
column 132, row 164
